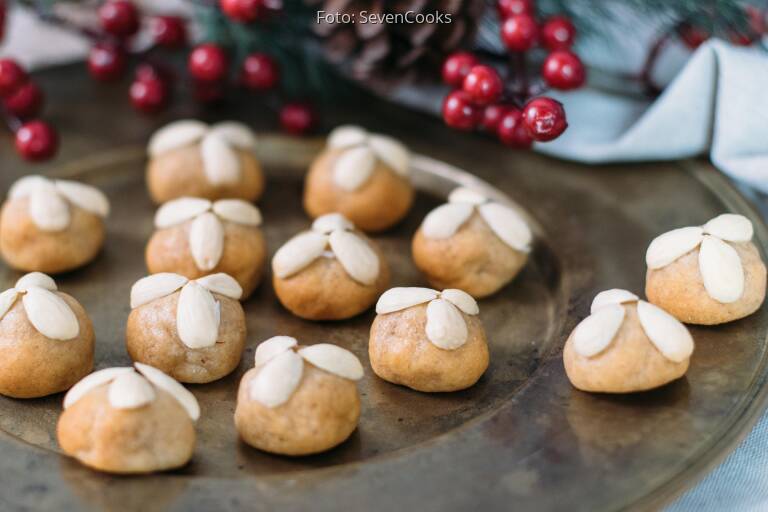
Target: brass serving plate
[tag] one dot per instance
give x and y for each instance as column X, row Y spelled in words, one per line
column 521, row 438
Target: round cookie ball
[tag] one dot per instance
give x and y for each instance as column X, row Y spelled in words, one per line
column 331, row 272
column 362, row 176
column 471, row 244
column 123, row 421
column 427, row 340
column 51, row 226
column 190, row 158
column 46, row 339
column 298, row 400
column 707, row 275
column 192, row 330
column 195, row 238
column 626, row 345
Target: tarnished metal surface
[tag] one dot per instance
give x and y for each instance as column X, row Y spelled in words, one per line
column 522, row 437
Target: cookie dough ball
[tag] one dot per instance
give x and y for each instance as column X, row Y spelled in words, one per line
column 298, row 400
column 363, row 176
column 193, row 330
column 428, row 340
column 190, row 158
column 472, row 244
column 46, row 339
column 707, row 275
column 51, row 225
column 122, row 420
column 626, row 345
column 195, row 238
column 331, row 272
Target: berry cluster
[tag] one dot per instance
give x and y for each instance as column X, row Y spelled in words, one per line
column 510, row 105
column 22, row 101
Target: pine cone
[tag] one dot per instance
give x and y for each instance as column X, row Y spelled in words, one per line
column 394, row 51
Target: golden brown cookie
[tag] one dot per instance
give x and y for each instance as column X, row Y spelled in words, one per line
column 428, row 340
column 190, row 158
column 298, row 400
column 472, row 244
column 192, row 330
column 195, row 238
column 626, row 345
column 363, row 176
column 51, row 225
column 707, row 275
column 331, row 272
column 46, row 339
column 122, row 420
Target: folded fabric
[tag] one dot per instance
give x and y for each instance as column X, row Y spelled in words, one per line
column 717, row 105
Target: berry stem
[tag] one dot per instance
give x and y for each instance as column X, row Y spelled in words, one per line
column 646, row 75
column 11, row 121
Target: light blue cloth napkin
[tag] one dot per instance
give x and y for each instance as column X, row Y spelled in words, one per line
column 740, row 483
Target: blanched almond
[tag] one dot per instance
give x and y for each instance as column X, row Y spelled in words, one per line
column 223, row 284
column 154, row 287
column 353, row 167
column 50, row 314
column 721, row 270
column 297, row 253
column 467, row 195
column 48, row 210
column 180, row 210
column 333, row 359
column 35, row 279
column 206, row 241
column 391, row 152
column 84, row 196
column 396, row 299
column 666, row 248
column 91, row 382
column 7, row 299
column 445, row 327
column 346, row 136
column 730, row 227
column 359, row 260
column 175, row 135
column 666, row 332
column 445, row 220
column 508, row 225
column 237, row 210
column 172, row 387
column 23, row 187
column 596, row 332
column 235, row 133
column 277, row 380
column 220, row 162
column 613, row 296
column 332, row 222
column 461, row 300
column 197, row 317
column 273, row 347
column 130, row 390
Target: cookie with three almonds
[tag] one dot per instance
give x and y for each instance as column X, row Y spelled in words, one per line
column 298, row 400
column 195, row 237
column 330, row 272
column 708, row 274
column 46, row 339
column 472, row 243
column 193, row 330
column 626, row 345
column 189, row 158
column 51, row 226
column 428, row 340
column 364, row 176
column 129, row 420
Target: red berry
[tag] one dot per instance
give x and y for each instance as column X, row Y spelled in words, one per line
column 483, row 84
column 558, row 33
column 456, row 68
column 692, row 36
column 519, row 33
column 12, row 76
column 460, row 112
column 242, row 10
column 492, row 115
column 148, row 95
column 259, row 72
column 119, row 18
column 544, row 118
column 297, row 118
column 36, row 141
column 509, row 8
column 106, row 61
column 755, row 27
column 168, row 31
column 563, row 70
column 512, row 131
column 208, row 63
column 26, row 102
